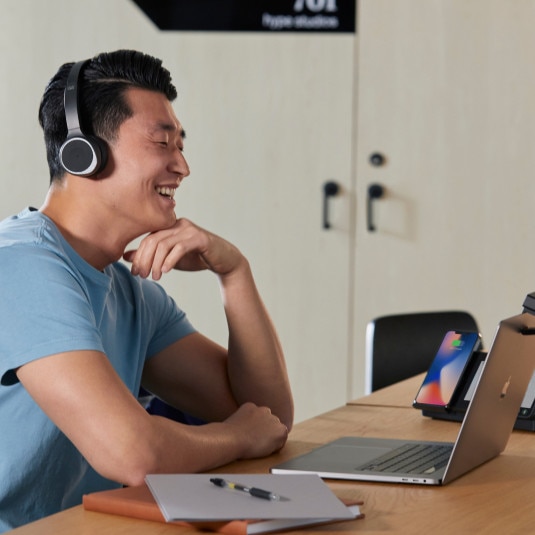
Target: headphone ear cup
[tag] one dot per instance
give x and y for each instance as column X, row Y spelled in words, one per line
column 101, row 149
column 83, row 155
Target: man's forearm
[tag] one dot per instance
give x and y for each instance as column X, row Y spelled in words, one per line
column 257, row 369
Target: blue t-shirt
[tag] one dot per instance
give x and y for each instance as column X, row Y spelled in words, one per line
column 52, row 301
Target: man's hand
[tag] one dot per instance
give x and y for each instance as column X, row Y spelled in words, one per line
column 260, row 431
column 183, row 246
column 253, row 368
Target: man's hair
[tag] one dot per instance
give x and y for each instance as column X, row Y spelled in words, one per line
column 102, row 106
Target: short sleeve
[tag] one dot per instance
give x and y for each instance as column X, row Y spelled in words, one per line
column 45, row 309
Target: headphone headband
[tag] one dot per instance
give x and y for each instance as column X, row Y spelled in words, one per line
column 80, row 154
column 70, row 100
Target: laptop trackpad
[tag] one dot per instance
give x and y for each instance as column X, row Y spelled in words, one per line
column 337, row 457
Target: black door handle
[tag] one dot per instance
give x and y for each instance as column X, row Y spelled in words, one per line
column 330, row 189
column 375, row 191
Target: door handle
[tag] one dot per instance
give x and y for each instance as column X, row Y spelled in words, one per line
column 375, row 191
column 330, row 189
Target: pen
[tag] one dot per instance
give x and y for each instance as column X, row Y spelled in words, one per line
column 253, row 491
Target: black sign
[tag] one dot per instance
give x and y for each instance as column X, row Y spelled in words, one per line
column 252, row 15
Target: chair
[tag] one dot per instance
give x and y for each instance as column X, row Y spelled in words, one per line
column 403, row 345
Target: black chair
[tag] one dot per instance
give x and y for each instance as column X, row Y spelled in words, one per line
column 403, row 345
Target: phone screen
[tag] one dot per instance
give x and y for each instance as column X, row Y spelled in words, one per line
column 447, row 367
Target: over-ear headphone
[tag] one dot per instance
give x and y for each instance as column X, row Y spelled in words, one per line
column 80, row 154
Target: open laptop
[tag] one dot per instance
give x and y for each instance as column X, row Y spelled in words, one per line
column 484, row 432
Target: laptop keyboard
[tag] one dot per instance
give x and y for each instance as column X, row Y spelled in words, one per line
column 411, row 459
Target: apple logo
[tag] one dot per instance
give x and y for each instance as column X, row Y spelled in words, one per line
column 505, row 388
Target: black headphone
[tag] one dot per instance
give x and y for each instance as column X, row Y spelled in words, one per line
column 80, row 154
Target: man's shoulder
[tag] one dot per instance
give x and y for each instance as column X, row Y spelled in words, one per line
column 29, row 227
column 23, row 228
column 31, row 243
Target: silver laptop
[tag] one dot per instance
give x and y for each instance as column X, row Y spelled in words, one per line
column 484, row 433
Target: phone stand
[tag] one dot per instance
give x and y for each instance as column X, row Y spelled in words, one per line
column 460, row 403
column 526, row 417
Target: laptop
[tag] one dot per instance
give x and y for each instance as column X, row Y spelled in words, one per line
column 483, row 435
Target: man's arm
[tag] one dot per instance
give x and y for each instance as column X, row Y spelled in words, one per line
column 253, row 367
column 82, row 394
column 243, row 390
column 256, row 366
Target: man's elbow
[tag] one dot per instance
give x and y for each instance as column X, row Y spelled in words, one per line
column 130, row 464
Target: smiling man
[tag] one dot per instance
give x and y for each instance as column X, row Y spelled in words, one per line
column 81, row 332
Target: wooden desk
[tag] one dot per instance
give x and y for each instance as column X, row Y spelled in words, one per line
column 494, row 498
column 399, row 395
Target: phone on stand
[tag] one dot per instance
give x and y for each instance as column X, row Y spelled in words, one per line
column 442, row 382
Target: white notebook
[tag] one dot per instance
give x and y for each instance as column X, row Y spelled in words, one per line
column 193, row 497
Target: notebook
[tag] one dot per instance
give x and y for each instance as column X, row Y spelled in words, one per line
column 483, row 435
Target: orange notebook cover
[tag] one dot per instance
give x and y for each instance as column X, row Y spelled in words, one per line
column 138, row 502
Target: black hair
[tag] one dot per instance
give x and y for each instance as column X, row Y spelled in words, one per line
column 102, row 103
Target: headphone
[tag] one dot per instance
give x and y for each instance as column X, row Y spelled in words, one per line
column 80, row 154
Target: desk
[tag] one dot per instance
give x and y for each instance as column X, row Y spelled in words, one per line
column 494, row 498
column 401, row 394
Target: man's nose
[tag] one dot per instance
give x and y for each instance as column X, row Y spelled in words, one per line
column 180, row 164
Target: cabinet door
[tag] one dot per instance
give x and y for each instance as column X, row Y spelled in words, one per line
column 446, row 94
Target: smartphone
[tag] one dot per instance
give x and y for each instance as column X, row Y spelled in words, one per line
column 441, row 383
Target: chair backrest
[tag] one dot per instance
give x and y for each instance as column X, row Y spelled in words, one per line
column 403, row 345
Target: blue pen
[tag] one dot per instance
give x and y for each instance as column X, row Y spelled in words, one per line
column 253, row 491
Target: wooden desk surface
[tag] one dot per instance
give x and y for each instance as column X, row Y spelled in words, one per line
column 494, row 498
column 399, row 395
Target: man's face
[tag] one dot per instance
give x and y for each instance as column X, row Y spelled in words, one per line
column 147, row 164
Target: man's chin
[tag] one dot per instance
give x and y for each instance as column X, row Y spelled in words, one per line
column 164, row 224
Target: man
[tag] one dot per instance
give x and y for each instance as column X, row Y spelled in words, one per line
column 80, row 332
